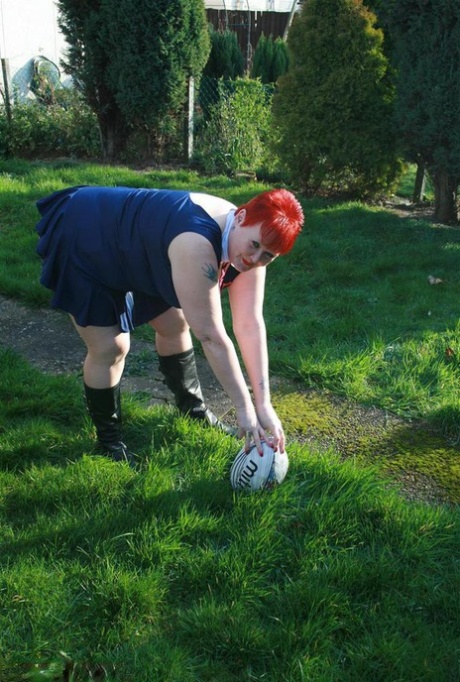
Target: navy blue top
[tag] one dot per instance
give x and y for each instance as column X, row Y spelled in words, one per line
column 105, row 251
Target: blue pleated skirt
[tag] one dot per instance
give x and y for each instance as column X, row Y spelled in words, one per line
column 87, row 279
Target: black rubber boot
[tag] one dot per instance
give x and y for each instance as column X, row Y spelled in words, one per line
column 104, row 407
column 181, row 377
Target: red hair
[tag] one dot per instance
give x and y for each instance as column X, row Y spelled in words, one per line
column 280, row 216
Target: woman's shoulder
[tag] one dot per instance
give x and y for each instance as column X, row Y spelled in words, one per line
column 216, row 207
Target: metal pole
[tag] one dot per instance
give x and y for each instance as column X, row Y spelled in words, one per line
column 191, row 107
column 289, row 21
column 248, row 55
column 6, row 90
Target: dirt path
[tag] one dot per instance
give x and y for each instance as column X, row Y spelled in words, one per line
column 47, row 340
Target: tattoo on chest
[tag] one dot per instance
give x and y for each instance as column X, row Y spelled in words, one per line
column 210, row 272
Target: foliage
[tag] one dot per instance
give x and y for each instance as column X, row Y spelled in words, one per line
column 271, row 59
column 383, row 10
column 234, row 136
column 131, row 59
column 333, row 109
column 426, row 36
column 262, row 59
column 225, row 58
column 280, row 62
column 225, row 62
column 67, row 127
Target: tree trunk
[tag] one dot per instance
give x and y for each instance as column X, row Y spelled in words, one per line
column 446, row 208
column 419, row 186
column 114, row 135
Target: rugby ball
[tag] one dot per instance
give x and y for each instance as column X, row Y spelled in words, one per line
column 251, row 471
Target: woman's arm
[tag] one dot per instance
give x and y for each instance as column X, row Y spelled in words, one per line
column 195, row 278
column 246, row 295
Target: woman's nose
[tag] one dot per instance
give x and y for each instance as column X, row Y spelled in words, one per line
column 257, row 257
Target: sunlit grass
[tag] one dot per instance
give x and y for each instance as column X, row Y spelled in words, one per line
column 357, row 283
column 166, row 574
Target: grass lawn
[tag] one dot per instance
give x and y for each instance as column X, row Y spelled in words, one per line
column 167, row 575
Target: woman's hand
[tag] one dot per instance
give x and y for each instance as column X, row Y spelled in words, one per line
column 250, row 429
column 271, row 426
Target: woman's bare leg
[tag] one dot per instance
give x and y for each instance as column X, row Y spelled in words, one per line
column 107, row 348
column 172, row 333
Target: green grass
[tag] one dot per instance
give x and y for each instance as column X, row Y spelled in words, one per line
column 168, row 575
column 362, row 318
column 165, row 574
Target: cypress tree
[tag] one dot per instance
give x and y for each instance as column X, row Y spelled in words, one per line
column 426, row 36
column 262, row 59
column 270, row 59
column 280, row 62
column 131, row 59
column 333, row 109
column 225, row 58
column 258, row 58
column 225, row 62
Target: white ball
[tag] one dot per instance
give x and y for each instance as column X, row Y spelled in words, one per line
column 251, row 471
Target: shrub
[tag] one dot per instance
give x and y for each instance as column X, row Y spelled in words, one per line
column 234, row 138
column 132, row 59
column 65, row 128
column 225, row 59
column 225, row 62
column 270, row 60
column 334, row 107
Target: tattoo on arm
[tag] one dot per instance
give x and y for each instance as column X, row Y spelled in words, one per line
column 210, row 272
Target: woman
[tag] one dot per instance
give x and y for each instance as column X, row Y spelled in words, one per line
column 118, row 257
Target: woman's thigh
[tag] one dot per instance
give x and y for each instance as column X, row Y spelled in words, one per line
column 170, row 323
column 108, row 343
column 172, row 332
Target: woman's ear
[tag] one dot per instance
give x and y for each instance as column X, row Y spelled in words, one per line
column 240, row 217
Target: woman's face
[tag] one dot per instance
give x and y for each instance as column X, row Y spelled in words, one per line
column 246, row 249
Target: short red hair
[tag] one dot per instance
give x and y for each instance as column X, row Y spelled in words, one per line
column 280, row 215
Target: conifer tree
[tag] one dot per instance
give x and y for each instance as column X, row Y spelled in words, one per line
column 225, row 58
column 226, row 63
column 280, row 62
column 333, row 109
column 131, row 59
column 426, row 36
column 262, row 59
column 270, row 59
